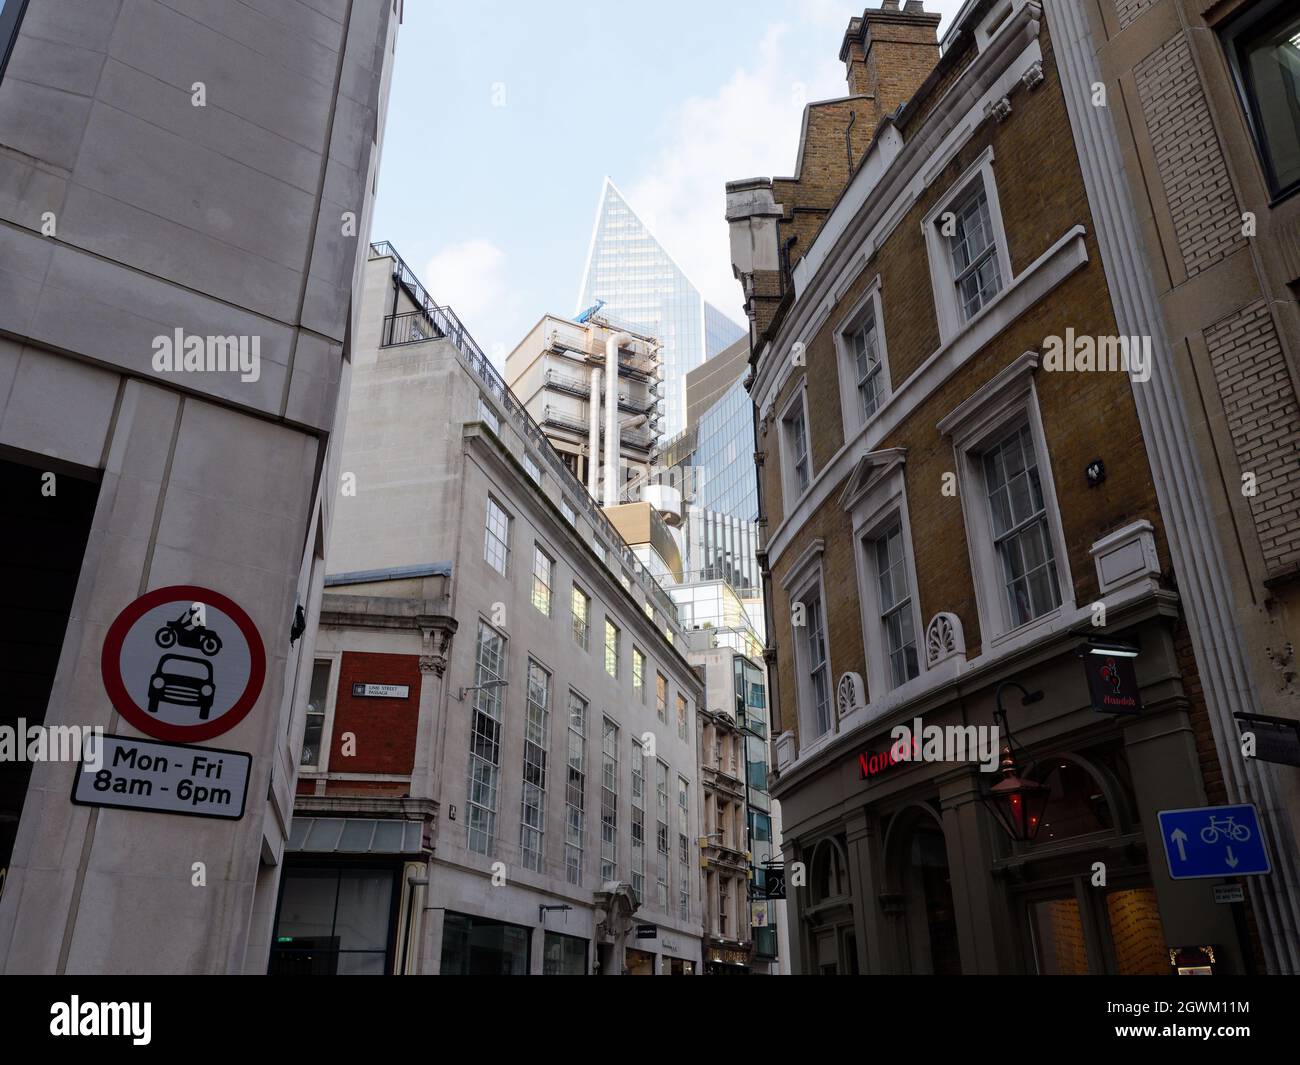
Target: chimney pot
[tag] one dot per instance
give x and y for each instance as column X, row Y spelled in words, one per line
column 889, row 5
column 915, row 7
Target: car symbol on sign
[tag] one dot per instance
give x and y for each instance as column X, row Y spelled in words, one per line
column 182, row 681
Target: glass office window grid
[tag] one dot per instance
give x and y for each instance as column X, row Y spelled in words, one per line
column 661, row 697
column 683, row 849
column 638, row 674
column 818, row 669
column 543, row 578
column 537, row 727
column 609, row 802
column 496, row 542
column 642, row 287
column 1020, row 533
column 575, row 789
column 866, row 363
column 974, row 253
column 896, row 607
column 611, row 648
column 581, row 618
column 661, row 835
column 1264, row 48
column 681, row 717
column 638, row 819
column 485, row 741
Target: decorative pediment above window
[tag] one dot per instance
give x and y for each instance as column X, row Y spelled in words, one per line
column 871, row 469
column 944, row 639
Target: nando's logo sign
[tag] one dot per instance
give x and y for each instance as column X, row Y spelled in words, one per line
column 872, row 764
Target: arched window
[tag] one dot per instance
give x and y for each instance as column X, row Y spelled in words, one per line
column 1078, row 804
column 829, row 876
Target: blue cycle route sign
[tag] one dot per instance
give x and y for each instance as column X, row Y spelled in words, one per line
column 1213, row 841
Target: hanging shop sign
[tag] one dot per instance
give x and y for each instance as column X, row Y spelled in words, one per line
column 646, row 931
column 1112, row 682
column 381, row 691
column 136, row 774
column 774, row 882
column 183, row 664
column 1276, row 739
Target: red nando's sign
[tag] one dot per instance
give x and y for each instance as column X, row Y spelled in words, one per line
column 873, row 764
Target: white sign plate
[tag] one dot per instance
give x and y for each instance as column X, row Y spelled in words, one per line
column 1229, row 893
column 133, row 774
column 381, row 691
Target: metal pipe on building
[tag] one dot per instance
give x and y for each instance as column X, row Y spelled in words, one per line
column 611, row 416
column 593, row 433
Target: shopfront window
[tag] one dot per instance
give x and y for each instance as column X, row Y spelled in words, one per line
column 1137, row 933
column 334, row 921
column 474, row 946
column 1077, row 805
column 1060, row 948
column 565, row 955
column 932, row 918
column 638, row 963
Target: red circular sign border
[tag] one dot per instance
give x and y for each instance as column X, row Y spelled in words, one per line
column 111, row 657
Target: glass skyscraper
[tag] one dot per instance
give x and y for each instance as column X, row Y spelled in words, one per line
column 641, row 285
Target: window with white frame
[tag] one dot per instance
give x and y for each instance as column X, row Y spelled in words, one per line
column 485, row 740
column 661, row 835
column 818, row 669
column 970, row 262
column 581, row 618
column 683, row 849
column 895, row 604
column 532, row 469
column 313, row 737
column 1013, row 524
column 661, row 697
column 611, row 648
column 537, row 727
column 1021, row 537
column 638, row 819
column 496, row 541
column 794, row 441
column 813, row 687
column 681, row 716
column 488, row 416
column 609, row 801
column 575, row 789
column 569, row 515
column 543, row 578
column 864, row 369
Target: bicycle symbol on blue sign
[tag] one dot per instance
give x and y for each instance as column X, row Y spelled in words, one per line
column 1210, row 841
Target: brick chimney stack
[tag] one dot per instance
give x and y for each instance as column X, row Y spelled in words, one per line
column 889, row 52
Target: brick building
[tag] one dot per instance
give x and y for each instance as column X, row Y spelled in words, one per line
column 963, row 527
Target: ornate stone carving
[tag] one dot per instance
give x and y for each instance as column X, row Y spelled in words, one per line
column 850, row 694
column 944, row 639
column 1001, row 110
column 437, row 645
column 1033, row 77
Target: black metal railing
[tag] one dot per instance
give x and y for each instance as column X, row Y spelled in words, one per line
column 410, row 328
column 444, row 320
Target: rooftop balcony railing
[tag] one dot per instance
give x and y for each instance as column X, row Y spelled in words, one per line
column 441, row 322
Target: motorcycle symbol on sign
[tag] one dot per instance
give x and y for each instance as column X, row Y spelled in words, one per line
column 187, row 633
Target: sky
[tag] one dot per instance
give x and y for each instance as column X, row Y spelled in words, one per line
column 505, row 116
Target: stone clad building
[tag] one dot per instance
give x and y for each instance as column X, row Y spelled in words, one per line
column 1206, row 130
column 499, row 772
column 203, row 169
column 965, row 526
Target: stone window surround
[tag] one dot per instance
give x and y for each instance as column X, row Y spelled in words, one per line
column 947, row 310
column 873, row 509
column 790, row 491
column 805, row 581
column 1007, row 399
column 867, row 307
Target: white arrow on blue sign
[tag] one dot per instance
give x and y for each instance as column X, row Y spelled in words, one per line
column 1212, row 841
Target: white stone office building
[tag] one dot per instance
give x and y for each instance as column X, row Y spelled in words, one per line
column 560, row 372
column 198, row 174
column 537, row 834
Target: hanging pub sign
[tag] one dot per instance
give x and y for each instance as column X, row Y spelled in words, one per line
column 774, row 882
column 1276, row 739
column 1112, row 681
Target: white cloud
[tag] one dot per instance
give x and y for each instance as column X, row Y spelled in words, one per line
column 749, row 127
column 470, row 276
